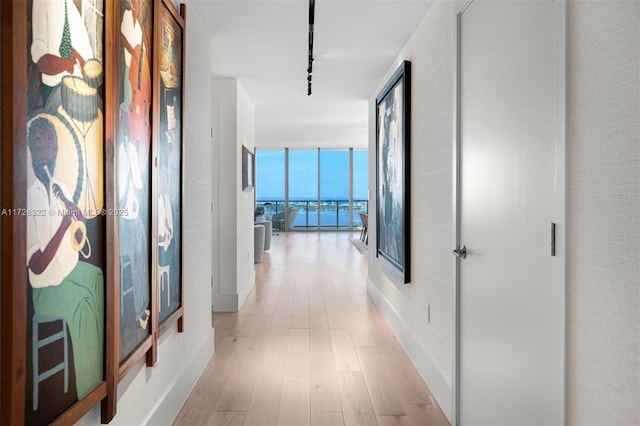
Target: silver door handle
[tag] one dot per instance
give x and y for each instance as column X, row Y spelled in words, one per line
column 460, row 252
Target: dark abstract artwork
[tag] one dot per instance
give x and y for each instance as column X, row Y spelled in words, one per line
column 392, row 167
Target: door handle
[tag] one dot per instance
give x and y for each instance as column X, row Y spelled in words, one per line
column 460, row 252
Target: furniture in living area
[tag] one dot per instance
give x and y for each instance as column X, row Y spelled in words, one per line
column 259, row 214
column 268, row 228
column 278, row 219
column 258, row 242
column 261, row 239
column 364, row 233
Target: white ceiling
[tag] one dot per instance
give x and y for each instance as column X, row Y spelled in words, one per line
column 264, row 44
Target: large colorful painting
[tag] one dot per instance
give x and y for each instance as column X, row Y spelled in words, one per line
column 65, row 235
column 392, row 172
column 91, row 199
column 133, row 177
column 169, row 147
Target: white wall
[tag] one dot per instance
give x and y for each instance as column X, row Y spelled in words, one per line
column 224, row 94
column 245, row 211
column 304, row 136
column 154, row 395
column 235, row 127
column 431, row 50
column 603, row 272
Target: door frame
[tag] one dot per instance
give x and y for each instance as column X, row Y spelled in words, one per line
column 559, row 208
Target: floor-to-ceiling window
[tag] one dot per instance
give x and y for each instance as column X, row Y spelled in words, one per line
column 334, row 188
column 270, row 180
column 303, row 187
column 360, row 185
column 323, row 188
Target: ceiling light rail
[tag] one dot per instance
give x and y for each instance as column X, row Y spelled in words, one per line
column 312, row 12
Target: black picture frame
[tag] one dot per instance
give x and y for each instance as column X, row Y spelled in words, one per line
column 248, row 169
column 393, row 137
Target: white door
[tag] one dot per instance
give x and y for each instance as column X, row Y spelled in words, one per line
column 510, row 191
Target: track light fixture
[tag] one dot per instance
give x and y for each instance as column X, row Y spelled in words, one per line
column 312, row 12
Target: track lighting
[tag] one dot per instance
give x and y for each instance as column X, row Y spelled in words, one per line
column 312, row 12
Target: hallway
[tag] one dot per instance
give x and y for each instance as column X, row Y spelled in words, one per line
column 309, row 347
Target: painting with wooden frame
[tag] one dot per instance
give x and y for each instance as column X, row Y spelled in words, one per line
column 131, row 91
column 393, row 131
column 54, row 231
column 168, row 144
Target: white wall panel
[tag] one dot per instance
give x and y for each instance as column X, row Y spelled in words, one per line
column 603, row 299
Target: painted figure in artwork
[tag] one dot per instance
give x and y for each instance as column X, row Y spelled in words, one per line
column 133, row 235
column 137, row 72
column 65, row 179
column 169, row 188
column 166, row 255
column 63, row 286
column 134, row 133
column 71, row 76
column 60, row 44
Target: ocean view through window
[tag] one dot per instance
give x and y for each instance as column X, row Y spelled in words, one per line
column 327, row 188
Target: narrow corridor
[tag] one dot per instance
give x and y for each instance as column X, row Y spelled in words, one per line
column 309, row 347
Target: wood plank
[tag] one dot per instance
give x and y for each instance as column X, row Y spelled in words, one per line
column 250, row 354
column 361, row 337
column 226, row 418
column 335, row 311
column 299, row 320
column 275, row 354
column 284, row 305
column 319, row 336
column 344, row 352
column 327, row 418
column 356, row 405
column 396, row 421
column 297, row 357
column 325, row 392
column 316, row 300
column 295, row 402
column 200, row 405
column 337, row 319
column 280, row 324
column 427, row 414
column 382, row 391
column 236, row 393
column 408, row 382
column 265, row 399
column 222, row 322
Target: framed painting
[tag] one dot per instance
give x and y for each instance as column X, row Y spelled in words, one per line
column 248, row 169
column 393, row 115
column 131, row 92
column 54, row 310
column 168, row 143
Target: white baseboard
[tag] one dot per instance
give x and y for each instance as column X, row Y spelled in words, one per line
column 167, row 410
column 439, row 385
column 246, row 288
column 225, row 302
column 232, row 302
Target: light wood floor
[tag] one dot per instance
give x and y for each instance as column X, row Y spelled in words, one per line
column 309, row 347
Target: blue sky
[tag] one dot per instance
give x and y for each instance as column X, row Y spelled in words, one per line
column 303, row 174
